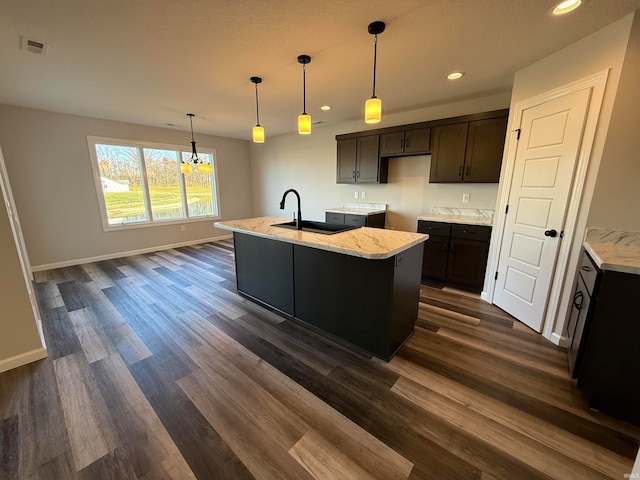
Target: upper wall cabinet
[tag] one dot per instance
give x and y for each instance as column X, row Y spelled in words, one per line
column 469, row 152
column 408, row 142
column 463, row 149
column 359, row 160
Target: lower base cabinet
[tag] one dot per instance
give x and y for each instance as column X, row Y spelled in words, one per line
column 375, row 220
column 371, row 304
column 608, row 371
column 455, row 253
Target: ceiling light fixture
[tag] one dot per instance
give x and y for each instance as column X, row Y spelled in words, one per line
column 258, row 131
column 455, row 75
column 566, row 6
column 373, row 106
column 304, row 120
column 194, row 161
column 325, row 108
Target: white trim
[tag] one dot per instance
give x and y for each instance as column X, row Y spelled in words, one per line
column 22, row 359
column 559, row 340
column 140, row 145
column 109, row 256
column 596, row 83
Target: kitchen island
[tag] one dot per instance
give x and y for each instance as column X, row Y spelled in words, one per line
column 361, row 285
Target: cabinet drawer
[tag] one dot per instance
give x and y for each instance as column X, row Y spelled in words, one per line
column 359, row 220
column 471, row 232
column 434, row 228
column 334, row 218
column 588, row 271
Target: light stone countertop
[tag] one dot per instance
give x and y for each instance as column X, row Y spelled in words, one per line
column 359, row 208
column 364, row 242
column 614, row 250
column 464, row 219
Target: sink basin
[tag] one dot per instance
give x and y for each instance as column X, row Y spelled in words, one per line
column 317, row 227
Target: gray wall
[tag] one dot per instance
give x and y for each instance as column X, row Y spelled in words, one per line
column 48, row 163
column 616, row 200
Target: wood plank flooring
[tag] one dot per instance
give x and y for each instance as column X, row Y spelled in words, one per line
column 158, row 369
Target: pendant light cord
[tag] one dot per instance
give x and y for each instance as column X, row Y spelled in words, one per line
column 191, row 121
column 304, row 88
column 257, row 108
column 375, row 59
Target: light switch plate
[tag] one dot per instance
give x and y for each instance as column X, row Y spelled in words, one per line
column 355, row 194
column 465, row 198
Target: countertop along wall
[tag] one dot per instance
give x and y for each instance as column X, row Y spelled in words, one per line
column 48, row 163
column 308, row 164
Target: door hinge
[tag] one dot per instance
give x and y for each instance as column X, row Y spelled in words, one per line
column 518, row 131
column 496, row 277
column 506, row 210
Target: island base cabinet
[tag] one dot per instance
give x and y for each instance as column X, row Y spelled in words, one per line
column 372, row 304
column 264, row 271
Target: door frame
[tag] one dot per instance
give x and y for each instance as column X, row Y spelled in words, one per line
column 567, row 251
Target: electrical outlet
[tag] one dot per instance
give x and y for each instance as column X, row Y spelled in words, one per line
column 465, row 198
column 182, row 228
column 363, row 195
column 355, row 194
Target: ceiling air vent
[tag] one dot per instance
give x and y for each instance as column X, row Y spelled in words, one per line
column 34, row 46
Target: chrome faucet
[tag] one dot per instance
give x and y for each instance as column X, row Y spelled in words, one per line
column 299, row 218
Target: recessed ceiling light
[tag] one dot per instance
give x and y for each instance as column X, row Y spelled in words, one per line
column 566, row 6
column 455, row 75
column 325, row 107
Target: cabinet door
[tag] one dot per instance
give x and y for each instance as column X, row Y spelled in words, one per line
column 392, row 143
column 575, row 327
column 467, row 262
column 331, row 217
column 356, row 220
column 346, row 160
column 417, row 141
column 434, row 259
column 447, row 153
column 368, row 159
column 485, row 145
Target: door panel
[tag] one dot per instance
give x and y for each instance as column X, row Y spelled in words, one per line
column 551, row 135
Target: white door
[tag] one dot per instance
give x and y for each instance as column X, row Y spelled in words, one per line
column 7, row 195
column 546, row 155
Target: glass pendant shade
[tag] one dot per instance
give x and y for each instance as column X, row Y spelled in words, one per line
column 258, row 134
column 186, row 168
column 373, row 110
column 205, row 168
column 304, row 124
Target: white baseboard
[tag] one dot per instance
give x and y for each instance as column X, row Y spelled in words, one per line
column 80, row 261
column 559, row 340
column 22, row 359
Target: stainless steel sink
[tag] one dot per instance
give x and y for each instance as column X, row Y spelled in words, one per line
column 317, row 227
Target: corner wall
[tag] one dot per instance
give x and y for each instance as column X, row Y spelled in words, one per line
column 48, row 163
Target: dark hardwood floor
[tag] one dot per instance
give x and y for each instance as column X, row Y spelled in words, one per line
column 157, row 369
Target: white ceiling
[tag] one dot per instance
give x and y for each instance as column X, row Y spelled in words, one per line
column 152, row 61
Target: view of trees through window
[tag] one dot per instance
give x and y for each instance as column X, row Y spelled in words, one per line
column 143, row 184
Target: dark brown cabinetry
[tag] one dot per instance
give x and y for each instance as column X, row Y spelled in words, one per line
column 359, row 160
column 455, row 253
column 608, row 357
column 468, row 152
column 463, row 149
column 408, row 142
column 375, row 220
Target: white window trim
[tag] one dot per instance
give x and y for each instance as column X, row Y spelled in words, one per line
column 93, row 140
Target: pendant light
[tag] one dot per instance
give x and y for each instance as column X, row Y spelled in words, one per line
column 304, row 120
column 258, row 131
column 373, row 106
column 194, row 160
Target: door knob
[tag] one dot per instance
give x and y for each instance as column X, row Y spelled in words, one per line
column 550, row 233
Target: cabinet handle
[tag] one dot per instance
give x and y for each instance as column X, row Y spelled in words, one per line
column 460, row 171
column 402, row 145
column 358, row 174
column 445, row 247
column 407, row 142
column 578, row 296
column 353, row 174
column 468, row 232
column 453, row 249
column 584, row 268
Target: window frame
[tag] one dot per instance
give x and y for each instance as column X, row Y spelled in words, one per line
column 92, row 141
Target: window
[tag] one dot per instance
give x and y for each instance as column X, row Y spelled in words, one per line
column 139, row 184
